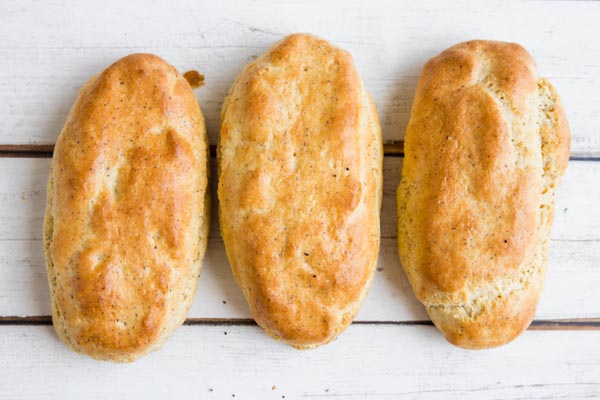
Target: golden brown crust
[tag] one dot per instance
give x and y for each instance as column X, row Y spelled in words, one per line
column 127, row 215
column 300, row 189
column 485, row 148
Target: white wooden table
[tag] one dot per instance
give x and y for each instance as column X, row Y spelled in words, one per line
column 49, row 49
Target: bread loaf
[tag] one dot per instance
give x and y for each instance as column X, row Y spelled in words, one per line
column 127, row 210
column 485, row 149
column 300, row 160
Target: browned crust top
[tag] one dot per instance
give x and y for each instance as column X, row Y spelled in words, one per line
column 485, row 147
column 300, row 188
column 126, row 221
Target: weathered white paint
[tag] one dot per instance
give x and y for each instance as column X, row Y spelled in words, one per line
column 48, row 50
column 572, row 284
column 374, row 361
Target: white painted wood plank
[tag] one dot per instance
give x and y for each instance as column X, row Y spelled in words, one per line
column 23, row 199
column 571, row 289
column 49, row 49
column 571, row 285
column 387, row 362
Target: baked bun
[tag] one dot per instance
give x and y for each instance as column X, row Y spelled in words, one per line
column 127, row 212
column 485, row 149
column 300, row 160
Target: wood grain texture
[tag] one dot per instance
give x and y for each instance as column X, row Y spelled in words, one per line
column 571, row 288
column 49, row 51
column 383, row 362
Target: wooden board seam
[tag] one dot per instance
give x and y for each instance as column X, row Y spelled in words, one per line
column 391, row 149
column 542, row 324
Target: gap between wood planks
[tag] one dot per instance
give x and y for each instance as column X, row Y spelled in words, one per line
column 576, row 324
column 45, row 150
column 391, row 149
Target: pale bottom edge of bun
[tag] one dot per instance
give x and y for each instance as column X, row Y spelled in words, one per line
column 498, row 324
